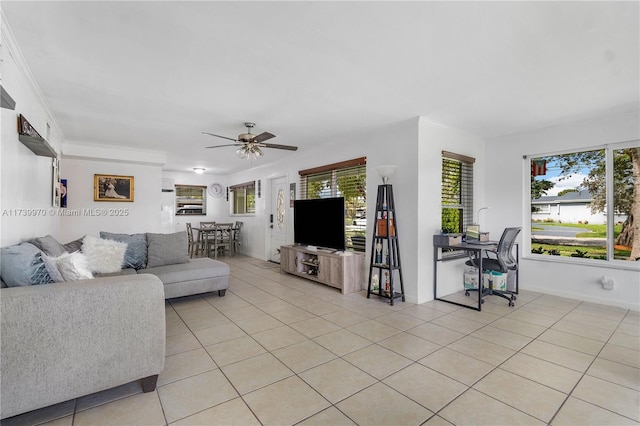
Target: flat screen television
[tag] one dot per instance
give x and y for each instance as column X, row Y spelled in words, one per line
column 319, row 222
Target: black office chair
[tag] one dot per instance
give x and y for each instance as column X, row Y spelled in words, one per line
column 503, row 262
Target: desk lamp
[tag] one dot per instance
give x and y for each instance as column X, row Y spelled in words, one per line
column 478, row 215
column 482, row 236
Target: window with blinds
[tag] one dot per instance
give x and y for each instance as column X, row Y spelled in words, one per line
column 243, row 198
column 457, row 192
column 191, row 200
column 346, row 179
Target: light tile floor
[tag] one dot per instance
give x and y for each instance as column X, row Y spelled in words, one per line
column 280, row 350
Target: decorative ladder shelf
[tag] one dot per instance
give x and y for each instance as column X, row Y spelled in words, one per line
column 385, row 262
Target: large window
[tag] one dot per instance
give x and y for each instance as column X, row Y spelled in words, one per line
column 243, row 198
column 457, row 192
column 346, row 179
column 584, row 204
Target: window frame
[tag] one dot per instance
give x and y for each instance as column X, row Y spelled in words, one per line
column 609, row 212
column 332, row 173
column 182, row 203
column 247, row 193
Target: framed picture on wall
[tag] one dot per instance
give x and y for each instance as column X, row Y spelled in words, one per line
column 112, row 188
column 63, row 193
column 55, row 187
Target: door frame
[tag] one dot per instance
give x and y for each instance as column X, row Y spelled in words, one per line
column 270, row 210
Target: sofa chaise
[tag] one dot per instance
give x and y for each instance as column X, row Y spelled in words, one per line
column 95, row 326
column 66, row 340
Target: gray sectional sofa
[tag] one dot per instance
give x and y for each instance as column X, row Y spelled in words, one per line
column 163, row 255
column 64, row 340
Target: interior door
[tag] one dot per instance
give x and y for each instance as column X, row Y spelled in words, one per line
column 278, row 218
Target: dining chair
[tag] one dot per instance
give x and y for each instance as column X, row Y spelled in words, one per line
column 205, row 235
column 194, row 244
column 222, row 238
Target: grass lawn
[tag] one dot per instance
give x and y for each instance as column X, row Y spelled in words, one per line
column 593, row 230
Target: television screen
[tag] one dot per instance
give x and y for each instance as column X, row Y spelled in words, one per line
column 319, row 222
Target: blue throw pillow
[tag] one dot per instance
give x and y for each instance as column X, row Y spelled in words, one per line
column 22, row 265
column 136, row 254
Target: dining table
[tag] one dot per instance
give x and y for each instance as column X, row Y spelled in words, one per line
column 217, row 234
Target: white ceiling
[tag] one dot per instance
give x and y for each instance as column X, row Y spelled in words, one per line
column 154, row 75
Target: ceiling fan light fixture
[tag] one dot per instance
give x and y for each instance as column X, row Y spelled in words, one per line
column 249, row 152
column 250, row 144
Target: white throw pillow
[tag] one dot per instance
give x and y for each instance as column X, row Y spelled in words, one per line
column 104, row 256
column 73, row 266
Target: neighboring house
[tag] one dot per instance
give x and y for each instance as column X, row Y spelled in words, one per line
column 572, row 207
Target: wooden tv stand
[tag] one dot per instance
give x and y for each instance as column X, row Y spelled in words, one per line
column 340, row 271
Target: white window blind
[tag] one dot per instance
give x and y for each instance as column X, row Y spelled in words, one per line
column 346, row 179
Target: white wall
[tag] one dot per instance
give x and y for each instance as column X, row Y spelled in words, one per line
column 25, row 179
column 396, row 144
column 141, row 215
column 217, row 208
column 506, row 183
column 415, row 145
column 434, row 139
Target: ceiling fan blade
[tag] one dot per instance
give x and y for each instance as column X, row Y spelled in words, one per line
column 262, row 137
column 276, row 146
column 220, row 146
column 218, row 136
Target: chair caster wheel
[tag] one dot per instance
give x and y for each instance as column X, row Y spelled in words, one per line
column 511, row 303
column 466, row 293
column 513, row 297
column 481, row 300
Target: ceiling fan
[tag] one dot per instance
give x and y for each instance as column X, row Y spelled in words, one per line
column 250, row 144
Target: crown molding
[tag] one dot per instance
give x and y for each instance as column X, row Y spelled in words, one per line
column 9, row 44
column 118, row 154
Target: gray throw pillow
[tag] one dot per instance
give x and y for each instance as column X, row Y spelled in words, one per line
column 75, row 245
column 49, row 245
column 136, row 254
column 22, row 265
column 167, row 249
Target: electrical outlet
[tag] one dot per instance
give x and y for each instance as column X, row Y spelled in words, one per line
column 607, row 283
